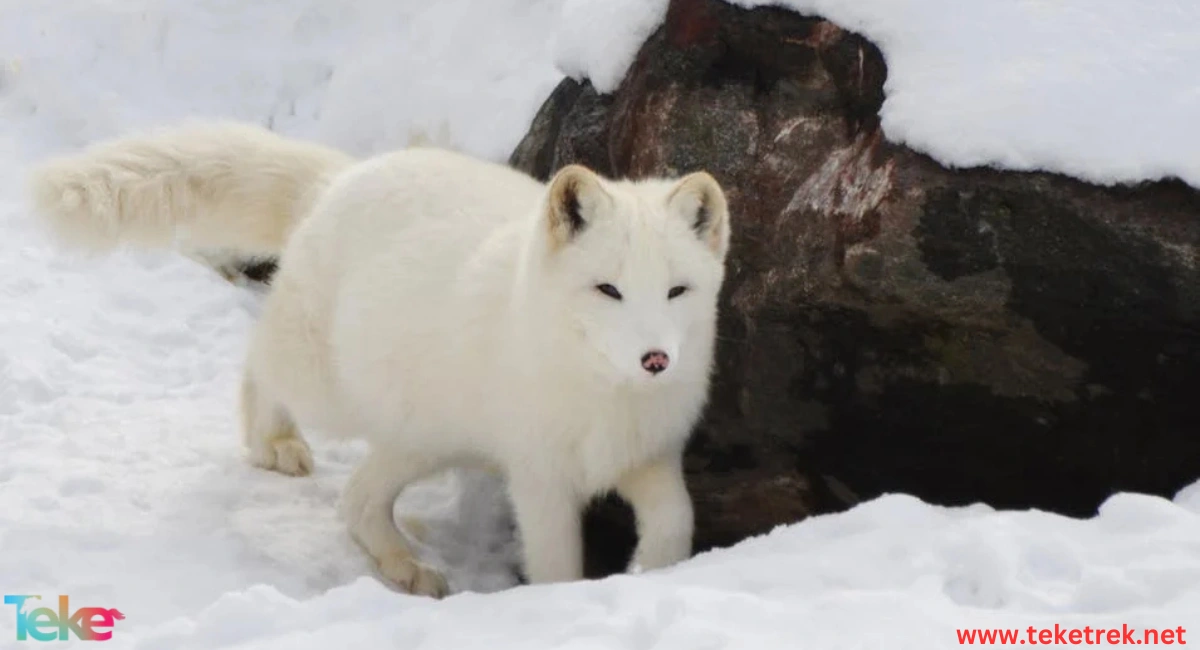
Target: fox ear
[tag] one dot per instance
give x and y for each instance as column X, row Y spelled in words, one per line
column 699, row 200
column 574, row 199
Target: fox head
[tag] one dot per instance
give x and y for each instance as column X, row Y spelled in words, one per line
column 634, row 268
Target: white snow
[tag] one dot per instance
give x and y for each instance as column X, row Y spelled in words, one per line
column 1104, row 90
column 366, row 76
column 122, row 480
column 598, row 39
column 892, row 573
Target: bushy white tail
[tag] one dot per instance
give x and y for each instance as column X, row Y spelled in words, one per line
column 217, row 185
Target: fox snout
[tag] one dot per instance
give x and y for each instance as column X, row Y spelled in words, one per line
column 655, row 361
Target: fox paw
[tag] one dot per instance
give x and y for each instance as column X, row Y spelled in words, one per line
column 289, row 455
column 412, row 577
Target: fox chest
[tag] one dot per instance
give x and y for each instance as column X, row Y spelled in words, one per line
column 611, row 445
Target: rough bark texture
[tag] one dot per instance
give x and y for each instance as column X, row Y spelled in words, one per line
column 888, row 324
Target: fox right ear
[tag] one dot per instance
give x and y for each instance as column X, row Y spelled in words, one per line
column 575, row 197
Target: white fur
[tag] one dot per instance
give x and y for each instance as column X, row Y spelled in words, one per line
column 445, row 309
column 211, row 185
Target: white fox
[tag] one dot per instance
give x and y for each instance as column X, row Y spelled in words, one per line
column 449, row 311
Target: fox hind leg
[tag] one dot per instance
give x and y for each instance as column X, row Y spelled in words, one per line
column 367, row 505
column 270, row 433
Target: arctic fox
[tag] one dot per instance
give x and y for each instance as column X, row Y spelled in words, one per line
column 448, row 310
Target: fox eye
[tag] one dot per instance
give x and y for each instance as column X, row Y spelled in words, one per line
column 675, row 292
column 609, row 290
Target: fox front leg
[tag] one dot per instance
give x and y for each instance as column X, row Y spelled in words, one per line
column 663, row 508
column 548, row 517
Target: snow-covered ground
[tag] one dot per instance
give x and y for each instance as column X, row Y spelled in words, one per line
column 364, row 75
column 122, row 481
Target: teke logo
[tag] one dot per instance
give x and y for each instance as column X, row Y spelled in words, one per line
column 44, row 624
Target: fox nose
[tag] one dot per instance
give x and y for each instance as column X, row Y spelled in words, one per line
column 655, row 361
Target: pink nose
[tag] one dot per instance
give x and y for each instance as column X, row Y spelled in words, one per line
column 655, row 361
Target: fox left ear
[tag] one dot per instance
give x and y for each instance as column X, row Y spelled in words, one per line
column 698, row 198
